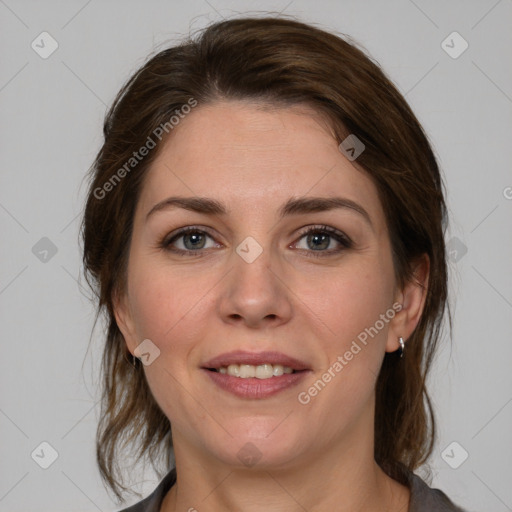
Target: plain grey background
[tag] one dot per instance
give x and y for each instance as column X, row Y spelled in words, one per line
column 51, row 128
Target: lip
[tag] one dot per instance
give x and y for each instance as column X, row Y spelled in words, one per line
column 253, row 388
column 255, row 358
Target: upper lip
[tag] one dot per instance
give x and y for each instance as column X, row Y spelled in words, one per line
column 255, row 358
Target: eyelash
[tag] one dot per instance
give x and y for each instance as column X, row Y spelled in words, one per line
column 326, row 230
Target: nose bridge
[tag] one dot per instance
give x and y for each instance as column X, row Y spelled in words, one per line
column 252, row 269
column 253, row 290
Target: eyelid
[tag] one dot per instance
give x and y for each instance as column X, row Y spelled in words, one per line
column 327, row 229
column 177, row 233
column 342, row 239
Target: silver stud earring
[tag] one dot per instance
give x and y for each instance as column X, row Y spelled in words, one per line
column 402, row 347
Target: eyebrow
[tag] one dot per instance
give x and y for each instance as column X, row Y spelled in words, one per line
column 293, row 206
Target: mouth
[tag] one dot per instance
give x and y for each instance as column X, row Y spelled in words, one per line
column 248, row 371
column 255, row 375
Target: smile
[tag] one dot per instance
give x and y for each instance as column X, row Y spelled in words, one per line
column 261, row 371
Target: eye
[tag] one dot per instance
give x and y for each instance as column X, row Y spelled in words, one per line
column 191, row 239
column 318, row 238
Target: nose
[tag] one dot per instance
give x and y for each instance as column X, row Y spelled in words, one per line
column 255, row 294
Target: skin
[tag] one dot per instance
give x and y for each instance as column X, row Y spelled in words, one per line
column 196, row 307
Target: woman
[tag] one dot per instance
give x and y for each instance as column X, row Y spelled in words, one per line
column 264, row 229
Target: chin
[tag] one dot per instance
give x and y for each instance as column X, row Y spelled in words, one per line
column 259, row 447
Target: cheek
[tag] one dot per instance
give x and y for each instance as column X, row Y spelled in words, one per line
column 354, row 309
column 163, row 303
column 170, row 309
column 350, row 300
column 354, row 349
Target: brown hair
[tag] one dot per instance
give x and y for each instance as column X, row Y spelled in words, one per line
column 282, row 62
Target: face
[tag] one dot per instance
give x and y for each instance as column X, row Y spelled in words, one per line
column 308, row 284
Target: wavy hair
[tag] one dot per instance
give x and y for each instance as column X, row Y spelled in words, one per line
column 283, row 62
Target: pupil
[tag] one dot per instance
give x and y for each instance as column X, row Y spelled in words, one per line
column 196, row 238
column 317, row 237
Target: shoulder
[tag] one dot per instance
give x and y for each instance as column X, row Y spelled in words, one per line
column 423, row 497
column 153, row 502
column 426, row 499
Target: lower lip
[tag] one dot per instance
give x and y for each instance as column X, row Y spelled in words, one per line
column 253, row 387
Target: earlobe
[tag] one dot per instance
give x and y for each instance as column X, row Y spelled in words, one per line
column 412, row 298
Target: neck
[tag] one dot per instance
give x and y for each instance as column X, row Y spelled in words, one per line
column 344, row 478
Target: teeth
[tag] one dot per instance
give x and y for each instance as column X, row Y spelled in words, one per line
column 278, row 370
column 262, row 371
column 246, row 371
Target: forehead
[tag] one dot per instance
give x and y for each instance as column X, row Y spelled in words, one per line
column 238, row 133
column 255, row 157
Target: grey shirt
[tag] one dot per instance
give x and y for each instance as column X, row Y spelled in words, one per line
column 423, row 498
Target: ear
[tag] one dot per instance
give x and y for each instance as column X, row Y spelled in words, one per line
column 124, row 319
column 412, row 298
